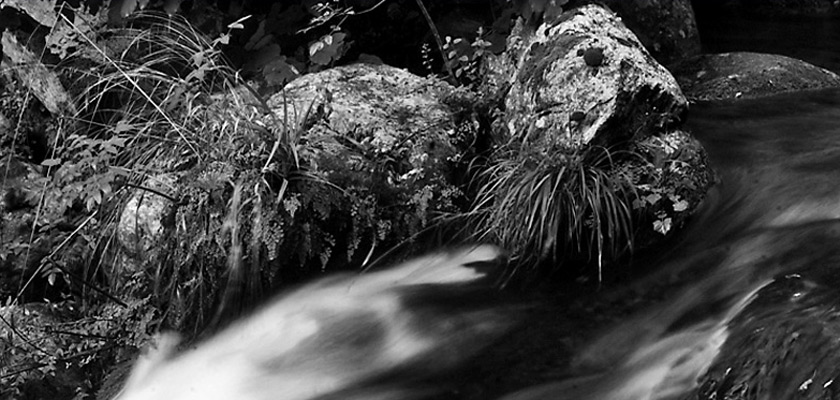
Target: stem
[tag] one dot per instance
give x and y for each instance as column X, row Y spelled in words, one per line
column 436, row 34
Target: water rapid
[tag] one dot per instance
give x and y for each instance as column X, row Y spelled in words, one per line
column 756, row 317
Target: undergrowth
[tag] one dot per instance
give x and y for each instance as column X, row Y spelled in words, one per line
column 161, row 115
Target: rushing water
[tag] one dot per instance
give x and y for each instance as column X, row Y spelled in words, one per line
column 755, row 317
column 759, row 313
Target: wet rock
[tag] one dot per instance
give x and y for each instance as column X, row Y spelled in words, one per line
column 784, row 345
column 748, row 75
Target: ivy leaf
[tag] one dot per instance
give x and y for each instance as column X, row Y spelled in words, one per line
column 662, row 226
column 652, row 198
column 681, row 205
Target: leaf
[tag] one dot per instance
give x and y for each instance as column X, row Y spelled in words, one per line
column 123, row 126
column 51, row 162
column 662, row 226
column 681, row 205
column 652, row 198
column 328, row 49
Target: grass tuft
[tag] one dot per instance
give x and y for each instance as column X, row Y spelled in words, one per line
column 551, row 209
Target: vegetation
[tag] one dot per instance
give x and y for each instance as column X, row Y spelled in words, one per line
column 245, row 201
column 244, row 205
column 554, row 209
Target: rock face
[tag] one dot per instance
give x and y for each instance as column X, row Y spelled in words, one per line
column 587, row 79
column 384, row 135
column 748, row 75
column 584, row 82
column 667, row 28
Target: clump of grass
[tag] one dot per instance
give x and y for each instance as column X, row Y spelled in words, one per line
column 549, row 208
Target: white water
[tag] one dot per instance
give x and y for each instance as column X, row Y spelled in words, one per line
column 327, row 338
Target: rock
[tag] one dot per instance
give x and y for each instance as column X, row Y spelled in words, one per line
column 141, row 221
column 670, row 180
column 573, row 86
column 625, row 94
column 748, row 75
column 383, row 134
column 667, row 28
column 784, row 345
column 140, row 228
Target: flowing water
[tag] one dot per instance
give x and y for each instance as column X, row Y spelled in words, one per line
column 756, row 314
column 760, row 307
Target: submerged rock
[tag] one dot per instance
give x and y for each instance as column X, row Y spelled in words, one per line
column 783, row 346
column 748, row 75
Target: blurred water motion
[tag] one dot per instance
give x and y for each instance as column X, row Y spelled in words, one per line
column 335, row 338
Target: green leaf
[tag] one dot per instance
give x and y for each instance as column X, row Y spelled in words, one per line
column 123, row 126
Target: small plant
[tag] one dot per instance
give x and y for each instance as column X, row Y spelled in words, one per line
column 464, row 57
column 551, row 208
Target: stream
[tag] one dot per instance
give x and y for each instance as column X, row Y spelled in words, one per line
column 758, row 269
column 743, row 304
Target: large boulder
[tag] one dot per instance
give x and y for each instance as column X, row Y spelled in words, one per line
column 587, row 79
column 667, row 28
column 385, row 136
column 366, row 155
column 748, row 75
column 585, row 82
